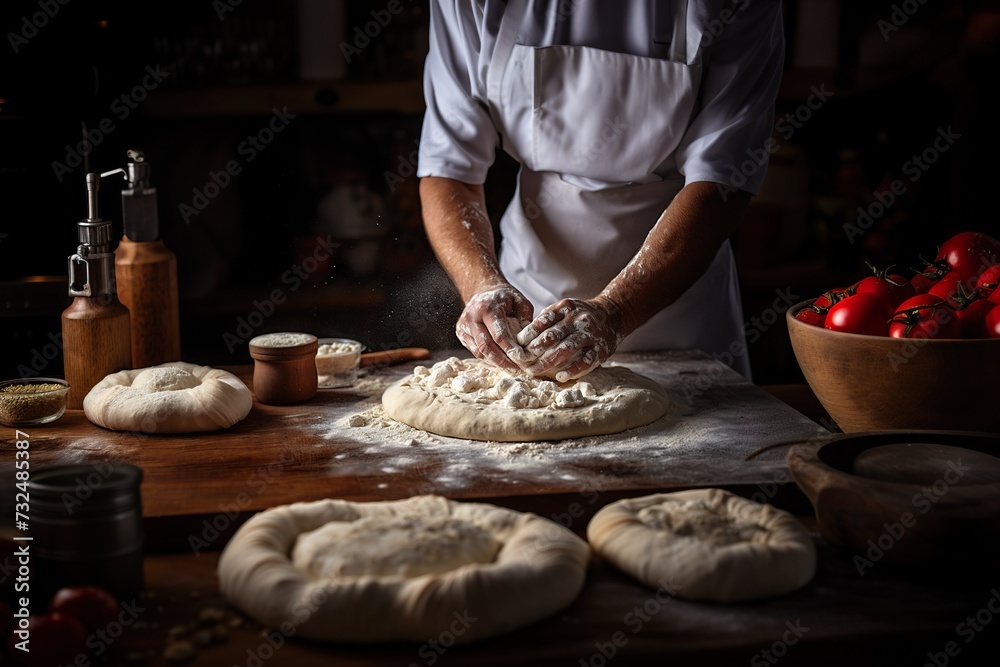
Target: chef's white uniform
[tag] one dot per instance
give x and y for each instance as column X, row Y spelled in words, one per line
column 610, row 108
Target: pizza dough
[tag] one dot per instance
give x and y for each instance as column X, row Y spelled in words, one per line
column 176, row 397
column 405, row 570
column 472, row 398
column 708, row 544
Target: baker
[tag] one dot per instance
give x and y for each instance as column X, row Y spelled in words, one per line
column 632, row 123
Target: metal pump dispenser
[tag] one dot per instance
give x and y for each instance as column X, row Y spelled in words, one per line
column 139, row 214
column 92, row 267
column 147, row 271
column 95, row 327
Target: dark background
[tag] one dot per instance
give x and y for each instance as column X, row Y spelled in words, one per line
column 341, row 169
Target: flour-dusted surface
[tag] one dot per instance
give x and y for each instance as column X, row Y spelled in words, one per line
column 720, row 421
column 282, row 454
column 698, row 519
column 284, row 339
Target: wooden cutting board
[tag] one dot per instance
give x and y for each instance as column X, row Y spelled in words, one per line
column 284, row 454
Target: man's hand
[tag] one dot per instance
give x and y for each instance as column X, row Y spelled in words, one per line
column 572, row 337
column 484, row 327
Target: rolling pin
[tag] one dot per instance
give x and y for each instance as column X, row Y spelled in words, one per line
column 388, row 357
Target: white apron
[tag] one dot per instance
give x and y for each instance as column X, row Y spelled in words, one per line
column 587, row 195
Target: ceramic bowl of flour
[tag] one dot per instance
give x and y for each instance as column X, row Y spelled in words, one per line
column 337, row 361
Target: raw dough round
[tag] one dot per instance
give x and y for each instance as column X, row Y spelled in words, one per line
column 472, row 398
column 285, row 566
column 708, row 544
column 176, row 397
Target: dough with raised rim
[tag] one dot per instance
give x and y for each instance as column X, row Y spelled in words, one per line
column 274, row 570
column 705, row 544
column 175, row 397
column 472, row 398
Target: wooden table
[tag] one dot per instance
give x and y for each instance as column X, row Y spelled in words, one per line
column 284, row 454
column 714, row 437
column 840, row 619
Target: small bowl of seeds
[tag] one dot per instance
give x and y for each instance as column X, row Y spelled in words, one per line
column 32, row 401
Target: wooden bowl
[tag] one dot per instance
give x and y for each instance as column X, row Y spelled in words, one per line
column 870, row 383
column 905, row 497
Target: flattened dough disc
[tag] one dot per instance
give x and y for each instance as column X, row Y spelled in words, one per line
column 471, row 398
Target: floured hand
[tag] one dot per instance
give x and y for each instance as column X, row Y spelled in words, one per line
column 570, row 338
column 488, row 325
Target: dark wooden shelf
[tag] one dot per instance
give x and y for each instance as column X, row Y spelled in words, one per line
column 236, row 301
column 803, row 274
column 316, row 97
column 798, row 84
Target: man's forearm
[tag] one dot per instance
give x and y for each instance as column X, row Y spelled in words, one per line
column 677, row 251
column 460, row 233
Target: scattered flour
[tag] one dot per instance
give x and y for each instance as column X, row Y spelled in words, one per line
column 472, row 381
column 727, row 420
column 85, row 450
column 282, row 340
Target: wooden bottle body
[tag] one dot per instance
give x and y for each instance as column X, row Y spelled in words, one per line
column 146, row 273
column 96, row 343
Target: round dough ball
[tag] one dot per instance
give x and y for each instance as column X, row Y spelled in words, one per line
column 706, row 544
column 472, row 398
column 176, row 397
column 275, row 569
column 165, row 378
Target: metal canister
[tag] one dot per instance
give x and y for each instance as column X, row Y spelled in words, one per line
column 86, row 528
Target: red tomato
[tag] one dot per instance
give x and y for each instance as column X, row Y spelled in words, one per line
column 953, row 289
column 93, row 606
column 993, row 323
column 970, row 253
column 946, row 286
column 860, row 314
column 925, row 316
column 932, row 272
column 827, row 299
column 973, row 318
column 812, row 315
column 969, row 305
column 894, row 287
column 988, row 283
column 55, row 639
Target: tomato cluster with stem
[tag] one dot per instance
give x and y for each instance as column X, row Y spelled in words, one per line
column 957, row 295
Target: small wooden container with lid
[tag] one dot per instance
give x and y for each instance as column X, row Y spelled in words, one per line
column 284, row 369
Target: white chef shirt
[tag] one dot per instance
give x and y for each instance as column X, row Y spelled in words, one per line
column 739, row 44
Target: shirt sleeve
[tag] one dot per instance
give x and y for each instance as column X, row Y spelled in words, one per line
column 458, row 139
column 743, row 62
